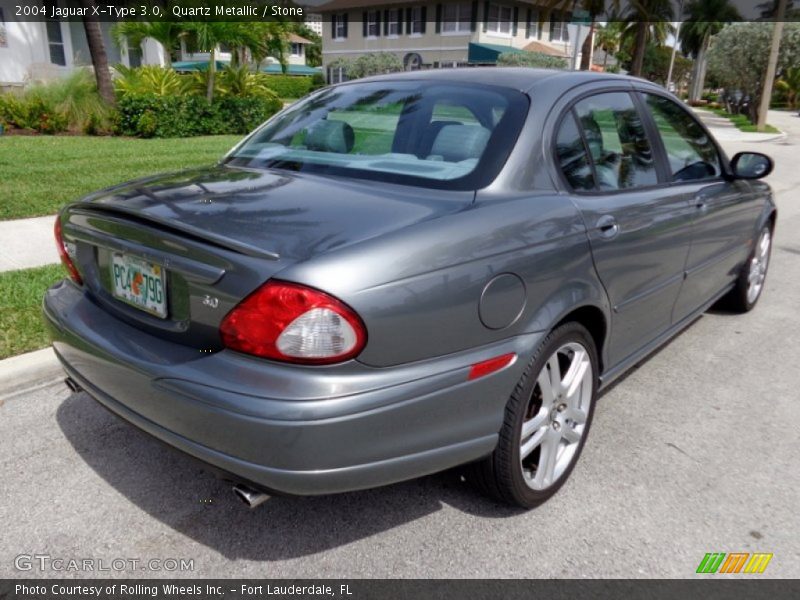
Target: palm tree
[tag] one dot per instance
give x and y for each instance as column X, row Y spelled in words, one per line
column 608, row 39
column 594, row 8
column 705, row 18
column 166, row 33
column 97, row 50
column 647, row 19
column 206, row 36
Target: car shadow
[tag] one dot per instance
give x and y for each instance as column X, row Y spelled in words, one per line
column 172, row 488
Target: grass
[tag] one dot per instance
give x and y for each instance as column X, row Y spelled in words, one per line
column 21, row 295
column 742, row 122
column 40, row 174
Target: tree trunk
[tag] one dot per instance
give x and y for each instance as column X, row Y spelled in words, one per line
column 699, row 71
column 586, row 51
column 212, row 71
column 640, row 48
column 97, row 50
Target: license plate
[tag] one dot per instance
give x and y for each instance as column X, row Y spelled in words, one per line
column 139, row 283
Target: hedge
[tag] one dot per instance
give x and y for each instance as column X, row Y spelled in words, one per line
column 289, row 86
column 149, row 115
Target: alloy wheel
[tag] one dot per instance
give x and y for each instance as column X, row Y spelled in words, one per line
column 758, row 267
column 556, row 416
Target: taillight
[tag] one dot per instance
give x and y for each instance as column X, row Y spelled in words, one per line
column 64, row 252
column 294, row 323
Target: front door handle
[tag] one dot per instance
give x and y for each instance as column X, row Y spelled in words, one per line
column 701, row 203
column 608, row 227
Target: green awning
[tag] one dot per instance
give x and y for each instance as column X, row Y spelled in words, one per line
column 487, row 54
column 197, row 65
column 275, row 69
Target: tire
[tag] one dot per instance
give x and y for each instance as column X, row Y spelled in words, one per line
column 750, row 283
column 556, row 426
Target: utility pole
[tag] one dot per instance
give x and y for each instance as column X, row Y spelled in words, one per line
column 675, row 46
column 772, row 66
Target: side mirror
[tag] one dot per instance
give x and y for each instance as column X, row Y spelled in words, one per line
column 751, row 165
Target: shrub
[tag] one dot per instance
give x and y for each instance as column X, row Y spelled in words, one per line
column 150, row 115
column 374, row 63
column 149, row 79
column 318, row 81
column 69, row 104
column 531, row 59
column 288, row 86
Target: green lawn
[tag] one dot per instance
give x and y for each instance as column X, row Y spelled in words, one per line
column 742, row 122
column 39, row 174
column 21, row 295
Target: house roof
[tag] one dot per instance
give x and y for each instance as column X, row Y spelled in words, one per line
column 273, row 69
column 545, row 48
column 345, row 4
column 298, row 39
column 488, row 53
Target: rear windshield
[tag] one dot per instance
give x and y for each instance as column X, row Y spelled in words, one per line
column 450, row 136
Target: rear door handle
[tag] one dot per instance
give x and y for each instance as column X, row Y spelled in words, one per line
column 608, row 227
column 701, row 203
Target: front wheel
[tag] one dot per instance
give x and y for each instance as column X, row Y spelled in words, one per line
column 546, row 421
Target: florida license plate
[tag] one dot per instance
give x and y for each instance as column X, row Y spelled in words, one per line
column 139, row 283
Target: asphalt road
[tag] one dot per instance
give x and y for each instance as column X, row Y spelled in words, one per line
column 695, row 451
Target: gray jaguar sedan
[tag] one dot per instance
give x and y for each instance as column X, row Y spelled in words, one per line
column 402, row 274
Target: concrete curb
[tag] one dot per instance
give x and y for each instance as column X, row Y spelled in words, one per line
column 27, row 371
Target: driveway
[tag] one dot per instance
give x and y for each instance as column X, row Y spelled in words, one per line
column 695, row 451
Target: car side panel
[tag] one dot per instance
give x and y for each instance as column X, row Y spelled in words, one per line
column 419, row 290
column 722, row 238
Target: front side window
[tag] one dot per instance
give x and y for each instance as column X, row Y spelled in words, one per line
column 457, row 17
column 691, row 153
column 615, row 137
column 500, row 19
column 439, row 135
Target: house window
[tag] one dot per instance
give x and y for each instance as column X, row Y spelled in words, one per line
column 558, row 30
column 457, row 18
column 134, row 56
column 500, row 19
column 339, row 26
column 373, row 24
column 416, row 22
column 3, row 34
column 532, row 29
column 56, row 43
column 297, row 49
column 393, row 22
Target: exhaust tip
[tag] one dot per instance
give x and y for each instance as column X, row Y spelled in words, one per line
column 73, row 385
column 252, row 498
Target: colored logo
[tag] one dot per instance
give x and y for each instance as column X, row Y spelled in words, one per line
column 734, row 562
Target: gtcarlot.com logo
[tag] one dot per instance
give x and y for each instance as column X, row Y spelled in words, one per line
column 46, row 562
column 734, row 562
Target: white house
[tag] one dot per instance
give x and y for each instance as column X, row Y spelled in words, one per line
column 39, row 51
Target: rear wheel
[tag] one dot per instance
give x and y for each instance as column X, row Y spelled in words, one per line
column 744, row 296
column 546, row 421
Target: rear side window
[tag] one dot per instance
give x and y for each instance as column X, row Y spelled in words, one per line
column 572, row 157
column 691, row 154
column 615, row 137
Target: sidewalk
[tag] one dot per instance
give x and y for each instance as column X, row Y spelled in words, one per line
column 26, row 243
column 725, row 131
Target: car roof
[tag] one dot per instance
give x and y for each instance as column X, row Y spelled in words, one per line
column 524, row 79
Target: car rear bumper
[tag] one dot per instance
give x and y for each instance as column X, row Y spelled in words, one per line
column 292, row 429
